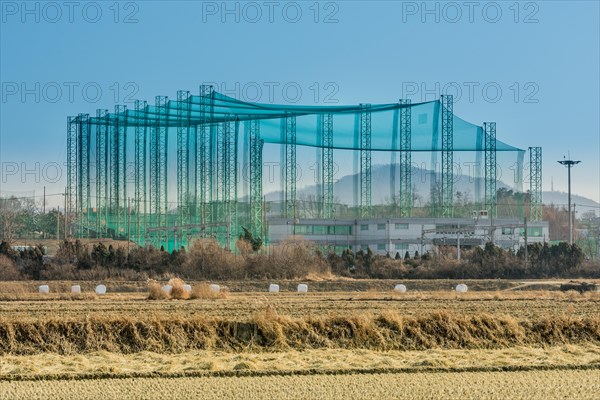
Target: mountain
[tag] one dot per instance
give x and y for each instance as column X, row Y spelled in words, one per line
column 380, row 178
column 562, row 199
column 380, row 175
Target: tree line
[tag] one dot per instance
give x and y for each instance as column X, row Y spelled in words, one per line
column 293, row 259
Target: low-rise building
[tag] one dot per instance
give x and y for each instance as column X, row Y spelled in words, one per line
column 421, row 235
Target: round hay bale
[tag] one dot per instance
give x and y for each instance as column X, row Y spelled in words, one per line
column 215, row 288
column 75, row 289
column 462, row 288
column 187, row 288
column 167, row 289
column 44, row 289
column 273, row 288
column 400, row 288
column 302, row 288
column 100, row 289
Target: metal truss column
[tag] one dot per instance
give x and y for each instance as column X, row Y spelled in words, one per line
column 232, row 182
column 183, row 157
column 121, row 168
column 405, row 196
column 535, row 183
column 327, row 167
column 72, row 160
column 256, row 188
column 101, row 172
column 227, row 177
column 140, row 169
column 204, row 156
column 113, row 172
column 221, row 167
column 83, row 174
column 489, row 129
column 290, row 166
column 365, row 161
column 158, row 168
column 447, row 157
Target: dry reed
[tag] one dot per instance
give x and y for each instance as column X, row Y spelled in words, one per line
column 270, row 331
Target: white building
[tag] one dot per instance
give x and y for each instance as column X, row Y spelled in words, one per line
column 408, row 234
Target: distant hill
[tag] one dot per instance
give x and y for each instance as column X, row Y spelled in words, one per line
column 380, row 175
column 562, row 198
column 380, row 178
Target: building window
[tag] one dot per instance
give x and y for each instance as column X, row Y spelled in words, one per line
column 380, row 227
column 532, row 232
column 401, row 247
column 401, row 226
column 364, row 227
column 381, row 246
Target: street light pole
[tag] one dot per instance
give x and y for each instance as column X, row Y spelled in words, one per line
column 569, row 164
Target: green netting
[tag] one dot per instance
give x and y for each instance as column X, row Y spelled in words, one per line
column 186, row 213
column 425, row 123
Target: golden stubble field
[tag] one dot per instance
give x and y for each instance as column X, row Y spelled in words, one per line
column 375, row 343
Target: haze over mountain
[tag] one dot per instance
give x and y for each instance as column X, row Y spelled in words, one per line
column 343, row 188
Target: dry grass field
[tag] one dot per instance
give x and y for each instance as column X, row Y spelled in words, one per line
column 533, row 385
column 430, row 342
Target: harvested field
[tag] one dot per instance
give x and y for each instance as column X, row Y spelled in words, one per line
column 542, row 385
column 237, row 306
column 103, row 364
column 232, row 344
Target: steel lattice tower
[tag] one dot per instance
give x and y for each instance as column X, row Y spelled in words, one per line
column 83, row 173
column 535, row 183
column 290, row 166
column 365, row 161
column 221, row 168
column 121, row 171
column 256, row 192
column 101, row 172
column 204, row 155
column 405, row 197
column 231, row 187
column 72, row 139
column 489, row 129
column 158, row 164
column 183, row 157
column 114, row 171
column 140, row 169
column 327, row 167
column 447, row 157
column 227, row 176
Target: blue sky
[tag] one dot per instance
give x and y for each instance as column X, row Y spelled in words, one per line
column 533, row 67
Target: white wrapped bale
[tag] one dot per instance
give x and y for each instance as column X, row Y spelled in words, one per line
column 462, row 288
column 215, row 288
column 400, row 288
column 167, row 289
column 75, row 289
column 44, row 289
column 187, row 288
column 273, row 288
column 302, row 288
column 100, row 289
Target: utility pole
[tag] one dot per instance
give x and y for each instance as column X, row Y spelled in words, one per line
column 58, row 223
column 128, row 223
column 458, row 243
column 65, row 210
column 574, row 219
column 569, row 164
column 526, row 251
